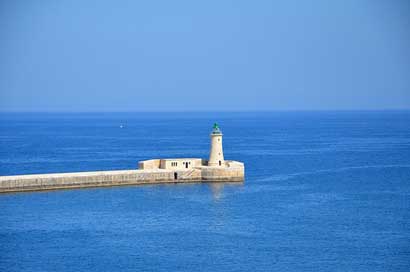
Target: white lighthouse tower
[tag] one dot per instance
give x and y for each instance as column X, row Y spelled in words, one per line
column 216, row 155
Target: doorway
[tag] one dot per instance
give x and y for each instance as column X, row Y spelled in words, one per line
column 175, row 175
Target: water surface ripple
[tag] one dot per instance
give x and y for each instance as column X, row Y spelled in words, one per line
column 324, row 191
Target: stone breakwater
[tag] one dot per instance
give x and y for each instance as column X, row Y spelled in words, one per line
column 38, row 182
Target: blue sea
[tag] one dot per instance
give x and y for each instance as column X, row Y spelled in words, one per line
column 324, row 191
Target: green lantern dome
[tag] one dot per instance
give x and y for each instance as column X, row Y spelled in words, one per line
column 216, row 129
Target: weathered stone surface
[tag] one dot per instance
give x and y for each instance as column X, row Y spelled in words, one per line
column 231, row 172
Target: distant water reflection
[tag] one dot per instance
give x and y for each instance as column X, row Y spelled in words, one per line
column 217, row 188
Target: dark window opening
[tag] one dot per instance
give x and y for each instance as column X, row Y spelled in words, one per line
column 175, row 175
column 220, row 163
column 186, row 165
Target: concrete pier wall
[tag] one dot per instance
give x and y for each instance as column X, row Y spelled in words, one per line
column 233, row 171
column 23, row 183
column 210, row 175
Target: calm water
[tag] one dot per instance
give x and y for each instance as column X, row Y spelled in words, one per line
column 326, row 191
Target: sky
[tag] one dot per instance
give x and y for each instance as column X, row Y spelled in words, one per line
column 214, row 55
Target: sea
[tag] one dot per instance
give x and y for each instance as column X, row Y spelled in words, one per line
column 324, row 191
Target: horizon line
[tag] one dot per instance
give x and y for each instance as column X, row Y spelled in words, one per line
column 208, row 111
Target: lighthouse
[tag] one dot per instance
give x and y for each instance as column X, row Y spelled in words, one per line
column 216, row 155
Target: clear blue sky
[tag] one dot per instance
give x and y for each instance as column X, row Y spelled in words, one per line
column 76, row 55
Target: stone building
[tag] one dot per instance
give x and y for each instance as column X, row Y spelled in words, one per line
column 216, row 157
